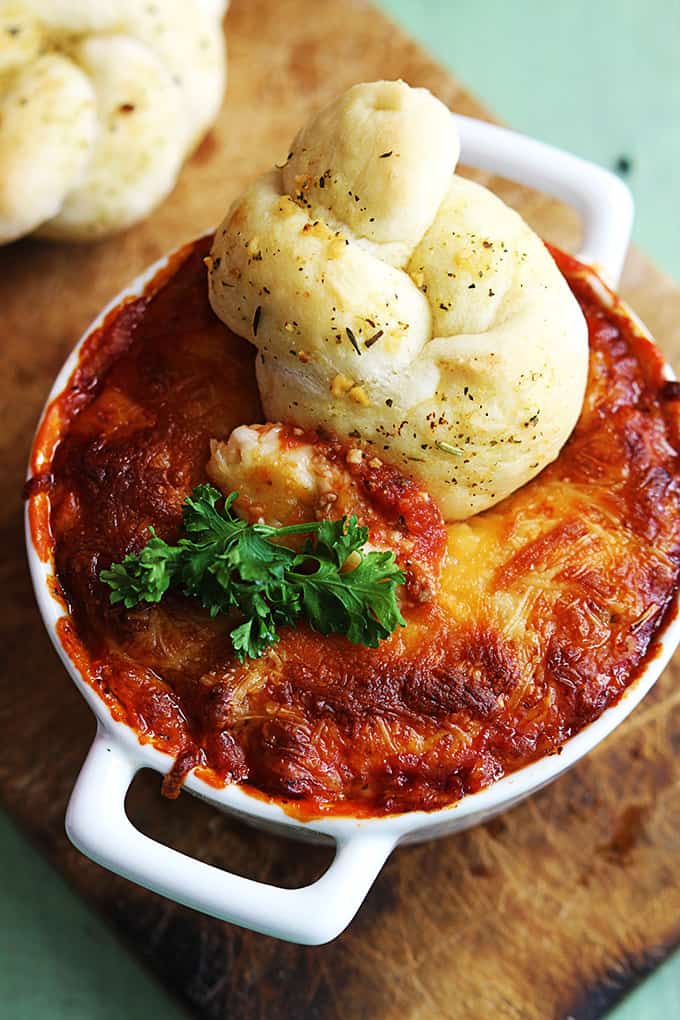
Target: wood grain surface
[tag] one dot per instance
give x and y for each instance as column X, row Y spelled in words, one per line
column 553, row 910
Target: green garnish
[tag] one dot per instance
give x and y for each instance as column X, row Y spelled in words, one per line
column 228, row 565
column 455, row 451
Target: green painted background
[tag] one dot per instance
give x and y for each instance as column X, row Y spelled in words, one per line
column 609, row 88
column 608, row 77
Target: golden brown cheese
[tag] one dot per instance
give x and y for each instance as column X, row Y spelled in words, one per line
column 550, row 602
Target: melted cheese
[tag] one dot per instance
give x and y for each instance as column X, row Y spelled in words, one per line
column 549, row 604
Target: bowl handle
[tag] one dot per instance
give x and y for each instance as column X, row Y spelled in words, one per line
column 97, row 824
column 602, row 200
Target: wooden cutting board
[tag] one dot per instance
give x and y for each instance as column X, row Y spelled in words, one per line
column 554, row 910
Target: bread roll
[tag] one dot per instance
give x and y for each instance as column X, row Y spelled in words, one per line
column 400, row 305
column 100, row 103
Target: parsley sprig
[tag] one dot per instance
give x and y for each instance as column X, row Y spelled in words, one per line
column 228, row 564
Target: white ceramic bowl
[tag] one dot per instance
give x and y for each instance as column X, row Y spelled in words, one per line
column 96, row 821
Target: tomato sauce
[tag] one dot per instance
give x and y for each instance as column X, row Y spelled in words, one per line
column 550, row 605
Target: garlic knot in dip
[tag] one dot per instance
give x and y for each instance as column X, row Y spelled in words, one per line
column 396, row 304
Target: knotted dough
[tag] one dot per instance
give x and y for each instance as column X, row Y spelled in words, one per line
column 400, row 305
column 100, row 103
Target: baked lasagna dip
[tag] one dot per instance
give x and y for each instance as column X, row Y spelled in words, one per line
column 381, row 510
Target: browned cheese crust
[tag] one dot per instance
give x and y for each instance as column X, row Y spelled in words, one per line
column 550, row 602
